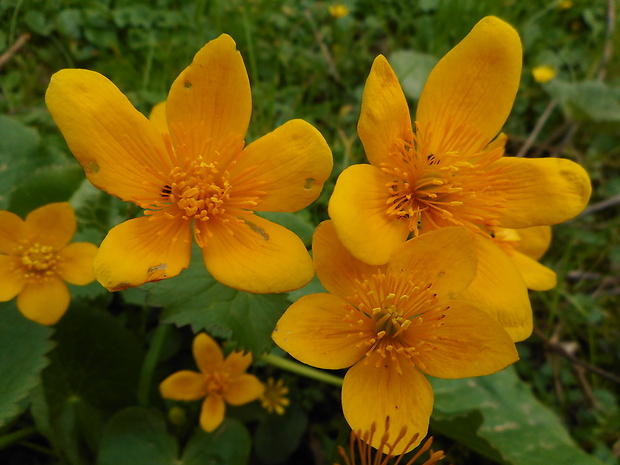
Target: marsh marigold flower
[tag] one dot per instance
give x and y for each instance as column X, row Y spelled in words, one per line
column 220, row 381
column 544, row 74
column 438, row 172
column 338, row 10
column 194, row 170
column 393, row 324
column 36, row 259
column 274, row 398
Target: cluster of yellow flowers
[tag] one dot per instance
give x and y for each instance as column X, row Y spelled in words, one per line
column 426, row 259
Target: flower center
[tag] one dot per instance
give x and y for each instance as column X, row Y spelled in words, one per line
column 395, row 318
column 447, row 188
column 39, row 261
column 217, row 383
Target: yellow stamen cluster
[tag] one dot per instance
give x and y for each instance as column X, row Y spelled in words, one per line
column 395, row 318
column 274, row 398
column 217, row 383
column 38, row 261
column 447, row 188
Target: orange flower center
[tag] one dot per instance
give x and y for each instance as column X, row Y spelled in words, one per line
column 202, row 188
column 447, row 188
column 395, row 318
column 217, row 383
column 38, row 261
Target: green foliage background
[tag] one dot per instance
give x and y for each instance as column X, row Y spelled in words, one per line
column 85, row 391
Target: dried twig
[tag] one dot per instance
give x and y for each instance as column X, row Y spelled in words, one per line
column 539, row 125
column 609, row 34
column 608, row 202
column 12, row 50
column 331, row 65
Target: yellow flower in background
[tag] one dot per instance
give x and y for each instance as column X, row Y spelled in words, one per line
column 565, row 4
column 438, row 172
column 525, row 247
column 220, row 381
column 338, row 10
column 194, row 170
column 36, row 259
column 544, row 74
column 393, row 324
column 274, row 398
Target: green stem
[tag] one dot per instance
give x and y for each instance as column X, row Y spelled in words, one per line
column 150, row 362
column 249, row 34
column 17, row 436
column 300, row 369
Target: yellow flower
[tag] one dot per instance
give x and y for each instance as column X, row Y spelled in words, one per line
column 36, row 258
column 392, row 324
column 544, row 74
column 525, row 246
column 196, row 170
column 359, row 449
column 274, row 398
column 442, row 175
column 338, row 10
column 220, row 380
column 565, row 4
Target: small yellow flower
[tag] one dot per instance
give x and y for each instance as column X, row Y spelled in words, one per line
column 359, row 449
column 565, row 4
column 338, row 10
column 192, row 173
column 437, row 171
column 544, row 74
column 393, row 324
column 220, row 381
column 274, row 398
column 36, row 258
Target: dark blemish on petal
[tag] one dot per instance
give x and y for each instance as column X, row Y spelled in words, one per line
column 91, row 167
column 187, row 85
column 257, row 230
column 309, row 183
column 153, row 269
column 165, row 192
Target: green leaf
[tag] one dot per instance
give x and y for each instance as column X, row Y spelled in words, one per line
column 515, row 426
column 412, row 69
column 278, row 436
column 137, row 436
column 195, row 298
column 23, row 348
column 592, row 100
column 46, row 185
column 18, row 155
column 93, row 373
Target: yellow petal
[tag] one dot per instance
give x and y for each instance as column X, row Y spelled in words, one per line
column 542, row 191
column 537, row 277
column 53, row 224
column 12, row 230
column 119, row 149
column 471, row 343
column 44, row 301
column 76, row 264
column 244, row 389
column 211, row 98
column 142, row 250
column 358, row 208
column 445, row 258
column 473, row 87
column 534, row 241
column 499, row 290
column 336, row 267
column 289, row 165
column 158, row 117
column 385, row 117
column 11, row 277
column 212, row 413
column 183, row 385
column 315, row 330
column 237, row 362
column 260, row 257
column 207, row 353
column 373, row 392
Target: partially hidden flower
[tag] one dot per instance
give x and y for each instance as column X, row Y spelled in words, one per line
column 439, row 172
column 543, row 74
column 338, row 10
column 36, row 259
column 194, row 171
column 360, row 453
column 274, row 397
column 525, row 247
column 220, row 381
column 393, row 324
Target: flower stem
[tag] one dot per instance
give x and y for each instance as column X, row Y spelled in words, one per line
column 17, row 436
column 301, row 369
column 150, row 362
